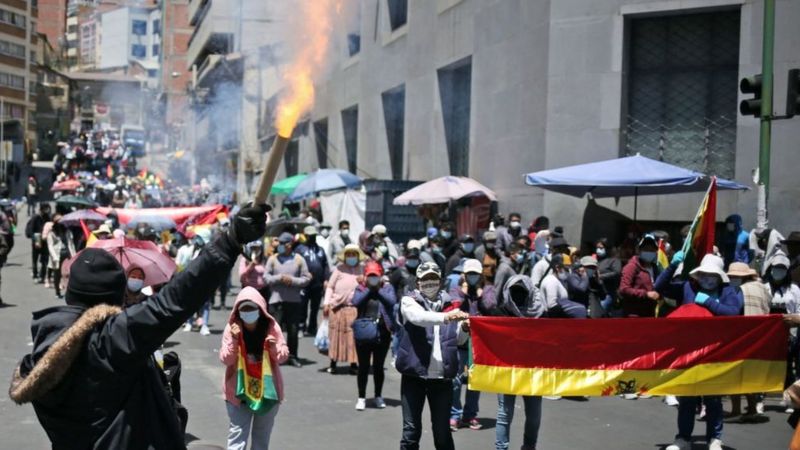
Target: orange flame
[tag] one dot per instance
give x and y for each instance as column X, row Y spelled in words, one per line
column 316, row 27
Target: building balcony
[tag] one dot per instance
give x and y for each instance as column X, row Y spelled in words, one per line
column 214, row 35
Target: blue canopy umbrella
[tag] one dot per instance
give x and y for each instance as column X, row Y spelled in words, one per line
column 324, row 180
column 625, row 177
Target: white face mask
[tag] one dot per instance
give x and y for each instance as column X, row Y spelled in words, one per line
column 344, row 232
column 514, row 224
column 135, row 284
column 249, row 317
column 429, row 288
column 325, row 232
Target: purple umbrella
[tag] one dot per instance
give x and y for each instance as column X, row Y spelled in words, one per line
column 86, row 215
column 443, row 190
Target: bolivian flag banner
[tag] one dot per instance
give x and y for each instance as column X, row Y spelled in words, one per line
column 680, row 356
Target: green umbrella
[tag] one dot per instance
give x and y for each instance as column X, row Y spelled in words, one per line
column 287, row 185
column 73, row 200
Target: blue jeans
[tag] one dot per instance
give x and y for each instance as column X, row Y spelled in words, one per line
column 505, row 414
column 687, row 407
column 470, row 409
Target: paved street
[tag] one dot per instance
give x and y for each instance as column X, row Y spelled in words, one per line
column 319, row 411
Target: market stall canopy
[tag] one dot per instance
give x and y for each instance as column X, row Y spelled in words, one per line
column 287, row 185
column 624, row 177
column 324, row 180
column 443, row 190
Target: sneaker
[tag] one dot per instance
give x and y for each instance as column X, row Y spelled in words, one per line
column 680, row 444
column 715, row 444
column 294, row 362
column 671, row 400
column 789, row 410
column 702, row 414
column 453, row 425
column 474, row 424
column 204, row 331
column 47, row 285
column 630, row 396
column 645, row 396
column 760, row 408
column 552, row 397
column 361, row 404
column 187, row 327
column 379, row 403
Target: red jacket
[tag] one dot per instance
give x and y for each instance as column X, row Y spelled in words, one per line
column 633, row 288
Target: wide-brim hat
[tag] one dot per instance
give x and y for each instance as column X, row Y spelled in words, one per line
column 352, row 248
column 713, row 265
column 739, row 269
column 794, row 238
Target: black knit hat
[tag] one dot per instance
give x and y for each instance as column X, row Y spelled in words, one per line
column 95, row 277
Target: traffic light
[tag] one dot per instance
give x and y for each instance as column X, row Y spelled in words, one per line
column 751, row 85
column 793, row 93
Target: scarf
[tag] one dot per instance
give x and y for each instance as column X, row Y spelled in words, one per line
column 254, row 383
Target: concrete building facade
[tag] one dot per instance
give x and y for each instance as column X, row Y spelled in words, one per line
column 53, row 21
column 131, row 35
column 496, row 89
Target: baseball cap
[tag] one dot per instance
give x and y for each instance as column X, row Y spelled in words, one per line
column 428, row 268
column 311, row 229
column 473, row 266
column 285, row 238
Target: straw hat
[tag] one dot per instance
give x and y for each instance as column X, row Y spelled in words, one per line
column 352, row 248
column 739, row 269
column 713, row 265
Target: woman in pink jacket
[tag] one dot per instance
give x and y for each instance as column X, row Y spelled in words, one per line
column 252, row 350
column 339, row 310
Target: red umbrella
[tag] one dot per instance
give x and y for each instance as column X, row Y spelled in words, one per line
column 66, row 185
column 157, row 267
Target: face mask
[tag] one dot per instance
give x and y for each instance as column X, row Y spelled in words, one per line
column 325, row 233
column 590, row 273
column 429, row 288
column 563, row 276
column 731, row 227
column 490, row 246
column 311, row 239
column 648, row 257
column 473, row 279
column 351, row 261
column 519, row 258
column 249, row 317
column 281, row 249
column 600, row 252
column 412, row 263
column 344, row 232
column 514, row 224
column 708, row 282
column 373, row 280
column 468, row 247
column 447, row 234
column 383, row 249
column 736, row 282
column 778, row 273
column 135, row 284
column 436, row 250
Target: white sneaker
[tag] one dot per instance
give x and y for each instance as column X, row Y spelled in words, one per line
column 760, row 408
column 379, row 403
column 680, row 444
column 204, row 331
column 715, row 444
column 361, row 404
column 630, row 396
column 552, row 397
column 671, row 400
column 187, row 327
column 645, row 396
column 789, row 410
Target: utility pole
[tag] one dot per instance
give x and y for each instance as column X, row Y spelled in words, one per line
column 762, row 176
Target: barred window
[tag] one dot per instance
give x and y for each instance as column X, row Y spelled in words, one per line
column 12, row 81
column 12, row 111
column 682, row 90
column 12, row 18
column 12, row 49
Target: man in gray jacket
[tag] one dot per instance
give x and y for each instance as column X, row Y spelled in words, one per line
column 287, row 274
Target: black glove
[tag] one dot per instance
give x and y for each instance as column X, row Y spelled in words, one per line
column 250, row 223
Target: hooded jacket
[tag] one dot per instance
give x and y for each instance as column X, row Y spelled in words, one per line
column 90, row 376
column 532, row 308
column 636, row 282
column 736, row 244
column 229, row 349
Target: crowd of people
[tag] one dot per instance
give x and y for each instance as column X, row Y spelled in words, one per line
column 366, row 299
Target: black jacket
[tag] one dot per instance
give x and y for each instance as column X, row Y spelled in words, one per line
column 90, row 376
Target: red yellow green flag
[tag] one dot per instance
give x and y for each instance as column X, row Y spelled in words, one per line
column 680, row 356
column 700, row 240
column 254, row 384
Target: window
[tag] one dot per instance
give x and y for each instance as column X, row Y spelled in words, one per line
column 157, row 27
column 682, row 90
column 398, row 13
column 33, row 56
column 292, row 159
column 138, row 51
column 11, row 18
column 350, row 128
column 455, row 90
column 394, row 110
column 139, row 27
column 12, row 111
column 156, row 50
column 353, row 44
column 152, row 73
column 12, row 49
column 12, row 81
column 321, row 141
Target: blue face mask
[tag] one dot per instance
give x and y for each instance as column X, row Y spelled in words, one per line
column 600, row 252
column 648, row 257
column 281, row 249
column 473, row 279
column 447, row 234
column 708, row 283
column 351, row 261
column 590, row 273
column 778, row 273
column 519, row 258
column 468, row 247
column 412, row 263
